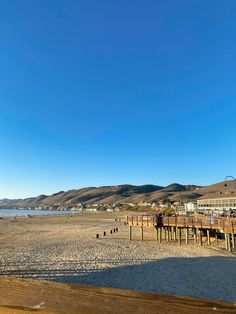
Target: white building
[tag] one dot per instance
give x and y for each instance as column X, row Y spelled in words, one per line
column 144, row 203
column 217, row 202
column 190, row 207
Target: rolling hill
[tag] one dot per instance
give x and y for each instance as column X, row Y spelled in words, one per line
column 120, row 194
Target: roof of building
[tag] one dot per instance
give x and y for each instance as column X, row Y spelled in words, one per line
column 218, row 196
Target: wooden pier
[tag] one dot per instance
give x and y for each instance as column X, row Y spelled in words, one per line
column 186, row 228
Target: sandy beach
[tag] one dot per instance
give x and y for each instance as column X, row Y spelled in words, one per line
column 65, row 249
column 20, row 296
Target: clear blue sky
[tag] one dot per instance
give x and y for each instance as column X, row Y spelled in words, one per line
column 110, row 92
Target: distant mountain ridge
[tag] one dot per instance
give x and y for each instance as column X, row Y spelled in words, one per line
column 125, row 193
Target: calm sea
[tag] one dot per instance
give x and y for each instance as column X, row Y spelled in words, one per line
column 22, row 212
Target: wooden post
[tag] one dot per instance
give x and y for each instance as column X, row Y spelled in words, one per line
column 160, row 234
column 195, row 235
column 141, row 233
column 200, row 236
column 233, row 244
column 175, row 230
column 229, row 241
column 130, row 232
column 168, row 234
column 156, row 233
column 208, row 237
column 216, row 237
column 186, row 235
column 179, row 236
column 226, row 242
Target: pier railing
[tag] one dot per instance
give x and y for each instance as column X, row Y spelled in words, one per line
column 143, row 220
column 227, row 225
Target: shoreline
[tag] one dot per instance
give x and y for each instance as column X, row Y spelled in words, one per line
column 53, row 212
column 31, row 212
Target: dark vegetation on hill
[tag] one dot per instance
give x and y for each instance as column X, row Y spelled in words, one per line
column 120, row 194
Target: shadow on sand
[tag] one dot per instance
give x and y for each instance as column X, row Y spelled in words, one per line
column 202, row 277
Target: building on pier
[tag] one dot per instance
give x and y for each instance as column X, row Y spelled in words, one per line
column 217, row 203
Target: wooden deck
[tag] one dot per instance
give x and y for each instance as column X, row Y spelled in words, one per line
column 224, row 225
column 195, row 228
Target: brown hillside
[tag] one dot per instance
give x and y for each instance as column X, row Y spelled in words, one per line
column 122, row 194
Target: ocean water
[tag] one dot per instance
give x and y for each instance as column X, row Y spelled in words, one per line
column 5, row 212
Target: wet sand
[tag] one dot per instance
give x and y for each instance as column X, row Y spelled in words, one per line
column 64, row 249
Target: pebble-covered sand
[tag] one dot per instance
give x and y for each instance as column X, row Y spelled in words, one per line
column 64, row 248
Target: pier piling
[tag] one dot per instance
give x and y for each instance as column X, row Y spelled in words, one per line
column 195, row 235
column 208, row 237
column 186, row 235
column 156, row 233
column 229, row 243
column 179, row 229
column 160, row 235
column 200, row 236
column 175, row 230
column 168, row 234
column 233, row 243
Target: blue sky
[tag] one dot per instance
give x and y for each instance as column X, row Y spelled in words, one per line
column 111, row 92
